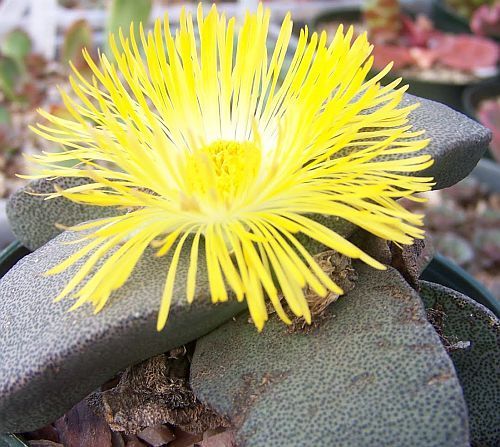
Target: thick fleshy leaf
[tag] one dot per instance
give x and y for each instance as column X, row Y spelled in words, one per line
column 17, row 45
column 35, row 220
column 478, row 362
column 123, row 12
column 55, row 358
column 373, row 373
column 457, row 142
column 50, row 358
column 9, row 75
column 77, row 37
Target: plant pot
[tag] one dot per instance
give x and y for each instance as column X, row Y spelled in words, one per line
column 488, row 173
column 448, row 20
column 10, row 255
column 446, row 93
column 476, row 93
column 449, row 94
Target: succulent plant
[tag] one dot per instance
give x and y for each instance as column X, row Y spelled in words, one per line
column 17, row 45
column 464, row 322
column 487, row 243
column 19, row 68
column 485, row 21
column 383, row 20
column 8, row 139
column 456, row 248
column 415, row 42
column 278, row 200
column 467, row 53
column 5, row 117
column 78, row 36
column 123, row 12
column 9, row 77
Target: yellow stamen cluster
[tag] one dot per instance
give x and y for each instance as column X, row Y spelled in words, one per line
column 221, row 172
column 212, row 148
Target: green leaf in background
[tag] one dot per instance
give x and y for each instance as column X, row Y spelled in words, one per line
column 17, row 45
column 9, row 74
column 77, row 37
column 5, row 117
column 124, row 12
column 11, row 441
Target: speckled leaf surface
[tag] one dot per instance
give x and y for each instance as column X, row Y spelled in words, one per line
column 374, row 373
column 456, row 142
column 478, row 367
column 34, row 220
column 51, row 358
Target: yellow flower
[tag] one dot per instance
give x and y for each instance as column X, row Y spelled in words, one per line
column 214, row 141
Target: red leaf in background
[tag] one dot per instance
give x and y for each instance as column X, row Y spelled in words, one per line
column 465, row 52
column 383, row 54
column 486, row 20
column 418, row 32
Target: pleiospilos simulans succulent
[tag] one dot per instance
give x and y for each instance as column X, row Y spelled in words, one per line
column 213, row 182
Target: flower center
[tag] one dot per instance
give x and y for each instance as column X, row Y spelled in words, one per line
column 223, row 169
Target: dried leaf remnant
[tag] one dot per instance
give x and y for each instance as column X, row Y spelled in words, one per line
column 155, row 392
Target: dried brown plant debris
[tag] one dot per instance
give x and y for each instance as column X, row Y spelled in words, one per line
column 155, row 392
